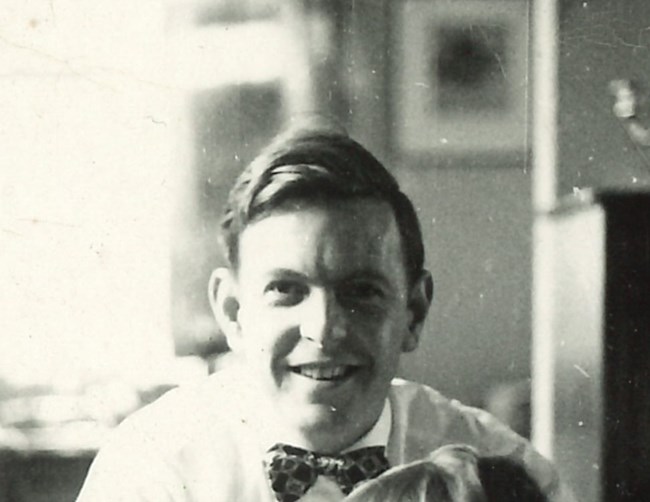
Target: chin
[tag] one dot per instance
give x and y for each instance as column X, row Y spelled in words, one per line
column 325, row 429
column 314, row 416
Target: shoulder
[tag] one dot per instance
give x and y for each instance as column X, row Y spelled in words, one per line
column 424, row 420
column 175, row 422
column 184, row 412
column 159, row 452
column 439, row 420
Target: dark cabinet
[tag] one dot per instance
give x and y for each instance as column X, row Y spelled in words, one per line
column 597, row 375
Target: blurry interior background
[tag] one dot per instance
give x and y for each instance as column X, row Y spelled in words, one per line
column 123, row 124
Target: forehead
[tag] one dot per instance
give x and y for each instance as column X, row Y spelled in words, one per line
column 333, row 238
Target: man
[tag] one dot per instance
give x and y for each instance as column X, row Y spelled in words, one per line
column 325, row 289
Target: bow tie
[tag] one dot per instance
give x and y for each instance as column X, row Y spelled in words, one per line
column 292, row 471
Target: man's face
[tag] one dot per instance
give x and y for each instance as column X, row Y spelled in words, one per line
column 323, row 315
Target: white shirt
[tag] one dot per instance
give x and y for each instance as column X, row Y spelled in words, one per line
column 206, row 444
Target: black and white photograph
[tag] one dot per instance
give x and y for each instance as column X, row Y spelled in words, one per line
column 324, row 250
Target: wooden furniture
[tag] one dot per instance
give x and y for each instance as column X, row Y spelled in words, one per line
column 42, row 476
column 596, row 377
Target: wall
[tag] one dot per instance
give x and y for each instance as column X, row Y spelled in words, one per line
column 477, row 222
column 85, row 187
column 601, row 40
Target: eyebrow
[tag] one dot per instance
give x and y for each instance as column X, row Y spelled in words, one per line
column 354, row 275
column 285, row 273
column 368, row 273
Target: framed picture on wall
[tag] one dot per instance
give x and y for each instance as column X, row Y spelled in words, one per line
column 462, row 76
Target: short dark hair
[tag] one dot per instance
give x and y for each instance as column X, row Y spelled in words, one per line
column 504, row 479
column 317, row 165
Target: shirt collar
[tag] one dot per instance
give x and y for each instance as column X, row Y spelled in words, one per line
column 378, row 435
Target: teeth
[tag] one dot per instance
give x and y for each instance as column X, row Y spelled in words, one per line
column 322, row 372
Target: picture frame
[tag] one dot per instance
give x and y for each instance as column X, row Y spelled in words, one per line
column 462, row 76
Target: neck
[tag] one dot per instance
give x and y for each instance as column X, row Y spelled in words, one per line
column 339, row 437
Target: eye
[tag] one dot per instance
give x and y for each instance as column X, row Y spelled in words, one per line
column 285, row 292
column 362, row 292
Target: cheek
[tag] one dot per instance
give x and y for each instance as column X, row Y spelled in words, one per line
column 267, row 335
column 375, row 316
column 381, row 334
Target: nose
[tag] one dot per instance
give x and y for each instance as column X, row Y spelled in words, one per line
column 323, row 319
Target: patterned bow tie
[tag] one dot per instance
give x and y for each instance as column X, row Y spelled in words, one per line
column 292, row 471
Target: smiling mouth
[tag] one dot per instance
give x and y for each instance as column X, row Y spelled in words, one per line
column 328, row 373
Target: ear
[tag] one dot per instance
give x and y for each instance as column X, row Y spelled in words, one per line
column 222, row 292
column 420, row 297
